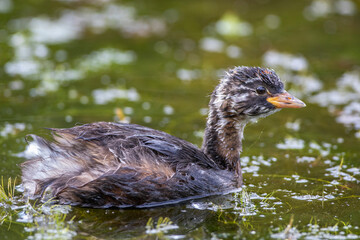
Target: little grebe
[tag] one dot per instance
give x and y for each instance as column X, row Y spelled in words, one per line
column 126, row 165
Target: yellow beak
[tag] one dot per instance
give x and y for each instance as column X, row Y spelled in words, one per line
column 285, row 100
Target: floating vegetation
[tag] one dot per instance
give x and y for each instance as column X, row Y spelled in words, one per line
column 11, row 129
column 291, row 143
column 71, row 25
column 7, row 201
column 163, row 225
column 243, row 203
column 285, row 60
column 305, row 159
column 31, row 59
column 52, row 75
column 347, row 91
column 6, row 6
column 295, row 126
column 215, row 45
column 289, row 233
column 315, row 230
column 230, row 25
column 47, row 221
column 104, row 58
column 338, row 172
column 324, row 8
column 188, row 75
column 350, row 117
column 344, row 100
column 7, row 191
column 40, row 221
column 294, row 69
column 211, row 44
column 104, row 96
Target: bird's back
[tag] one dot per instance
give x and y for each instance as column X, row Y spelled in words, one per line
column 116, row 164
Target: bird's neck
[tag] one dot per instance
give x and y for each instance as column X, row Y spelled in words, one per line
column 223, row 140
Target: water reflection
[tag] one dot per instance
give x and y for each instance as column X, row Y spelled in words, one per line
column 130, row 222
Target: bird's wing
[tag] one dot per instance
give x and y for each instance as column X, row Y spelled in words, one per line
column 84, row 153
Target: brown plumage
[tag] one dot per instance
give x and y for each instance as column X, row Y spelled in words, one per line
column 126, row 165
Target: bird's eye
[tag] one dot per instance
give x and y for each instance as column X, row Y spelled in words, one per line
column 261, row 90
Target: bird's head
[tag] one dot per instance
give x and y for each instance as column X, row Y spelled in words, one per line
column 250, row 93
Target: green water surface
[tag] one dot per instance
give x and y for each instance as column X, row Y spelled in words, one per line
column 70, row 62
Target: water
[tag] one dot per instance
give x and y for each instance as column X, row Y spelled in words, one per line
column 70, row 62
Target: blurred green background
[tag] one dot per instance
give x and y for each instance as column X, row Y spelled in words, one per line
column 155, row 63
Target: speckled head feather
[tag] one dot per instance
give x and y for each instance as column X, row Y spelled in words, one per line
column 238, row 93
column 248, row 75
